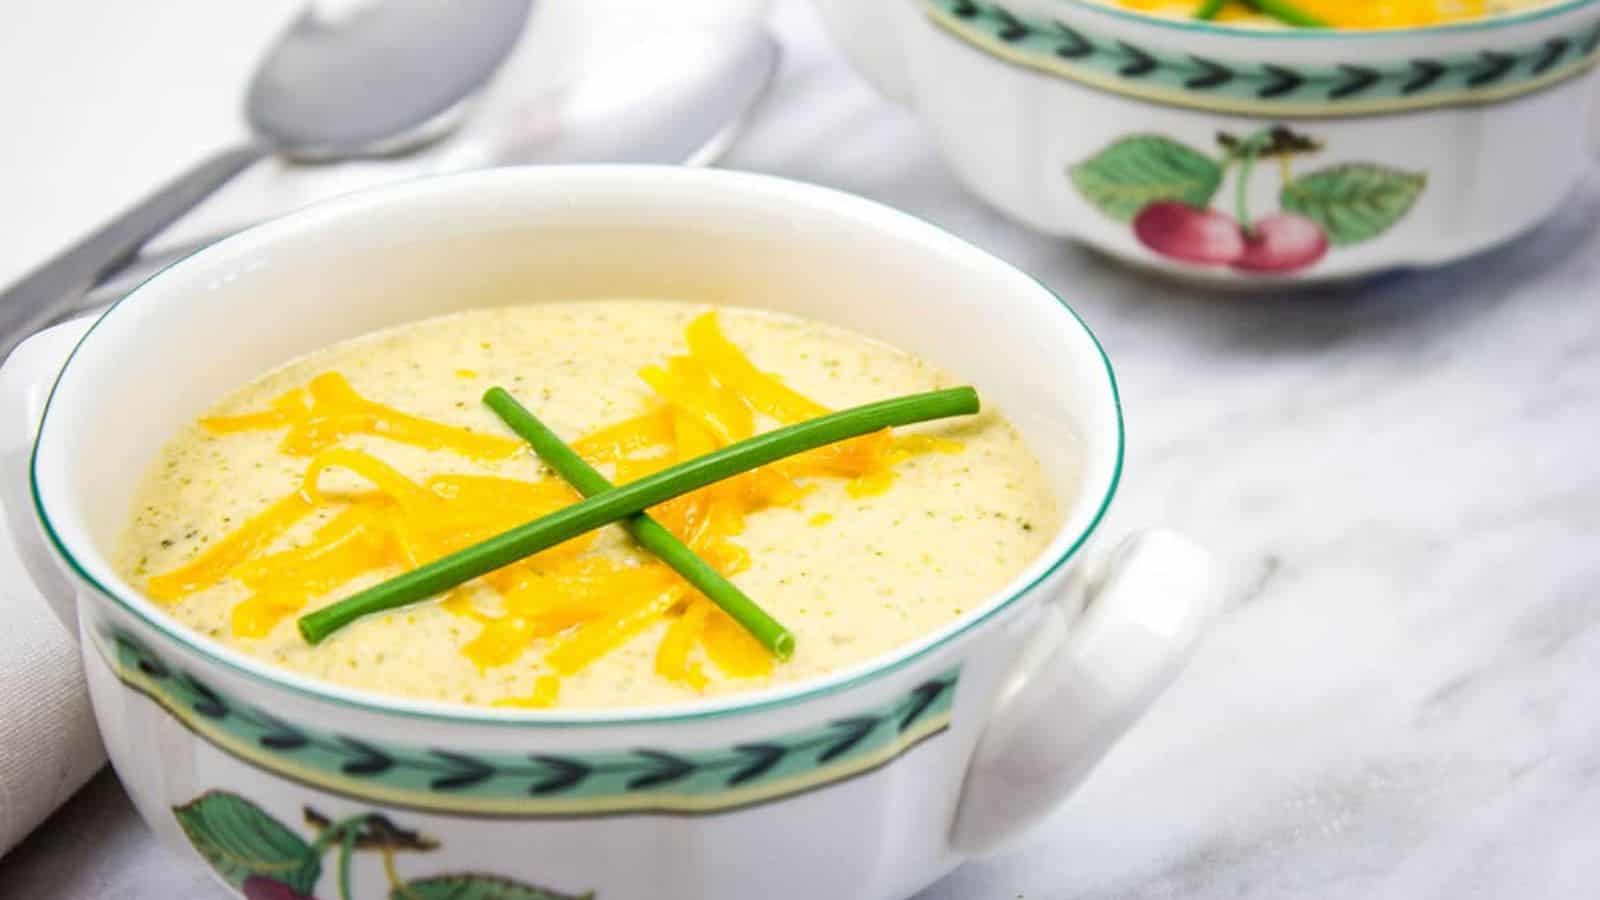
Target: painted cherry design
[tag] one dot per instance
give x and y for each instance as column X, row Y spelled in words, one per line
column 232, row 833
column 259, row 887
column 1168, row 193
column 1278, row 243
column 1183, row 232
column 1283, row 242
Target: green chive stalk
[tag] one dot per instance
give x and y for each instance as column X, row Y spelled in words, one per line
column 650, row 534
column 631, row 499
column 1287, row 12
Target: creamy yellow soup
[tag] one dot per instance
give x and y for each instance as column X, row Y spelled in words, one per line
column 362, row 460
column 1347, row 13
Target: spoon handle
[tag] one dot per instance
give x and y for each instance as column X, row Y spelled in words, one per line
column 30, row 303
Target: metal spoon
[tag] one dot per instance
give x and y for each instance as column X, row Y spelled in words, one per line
column 378, row 79
column 667, row 101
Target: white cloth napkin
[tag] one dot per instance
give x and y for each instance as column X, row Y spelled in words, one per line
column 48, row 742
column 533, row 112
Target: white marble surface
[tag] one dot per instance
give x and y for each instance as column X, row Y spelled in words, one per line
column 1401, row 701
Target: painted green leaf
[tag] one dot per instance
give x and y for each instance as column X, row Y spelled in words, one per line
column 1139, row 170
column 238, row 839
column 477, row 887
column 1354, row 202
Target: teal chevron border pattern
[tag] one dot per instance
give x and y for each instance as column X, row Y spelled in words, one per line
column 539, row 783
column 1266, row 88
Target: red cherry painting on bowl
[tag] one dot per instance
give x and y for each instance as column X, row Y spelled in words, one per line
column 1176, row 229
column 260, row 887
column 1166, row 190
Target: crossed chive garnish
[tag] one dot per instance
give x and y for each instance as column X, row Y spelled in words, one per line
column 650, row 534
column 1284, row 11
column 604, row 504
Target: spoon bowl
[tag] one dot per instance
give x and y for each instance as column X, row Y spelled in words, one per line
column 388, row 78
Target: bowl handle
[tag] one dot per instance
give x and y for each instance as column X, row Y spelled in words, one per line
column 1078, row 690
column 26, row 379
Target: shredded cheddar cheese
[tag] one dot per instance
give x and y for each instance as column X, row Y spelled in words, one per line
column 572, row 605
column 1351, row 13
column 328, row 410
column 546, row 691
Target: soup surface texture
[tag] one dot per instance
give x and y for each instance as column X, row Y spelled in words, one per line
column 356, row 462
column 1347, row 13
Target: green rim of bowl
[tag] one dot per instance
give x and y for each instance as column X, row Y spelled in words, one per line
column 1200, row 26
column 760, row 701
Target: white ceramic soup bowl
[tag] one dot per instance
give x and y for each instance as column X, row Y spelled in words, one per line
column 870, row 783
column 1374, row 150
